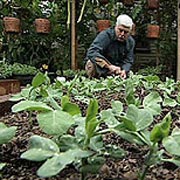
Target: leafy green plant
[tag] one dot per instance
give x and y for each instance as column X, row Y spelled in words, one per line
column 133, row 126
column 83, row 149
column 6, row 134
column 8, row 70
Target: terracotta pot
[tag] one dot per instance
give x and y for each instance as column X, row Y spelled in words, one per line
column 153, row 31
column 11, row 24
column 153, row 4
column 103, row 24
column 42, row 25
column 104, row 1
column 128, row 2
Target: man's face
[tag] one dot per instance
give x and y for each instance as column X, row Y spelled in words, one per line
column 122, row 32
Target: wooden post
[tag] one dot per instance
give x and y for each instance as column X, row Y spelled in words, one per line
column 178, row 50
column 73, row 36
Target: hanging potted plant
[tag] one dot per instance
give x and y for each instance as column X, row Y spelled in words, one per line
column 42, row 25
column 11, row 24
column 153, row 31
column 128, row 2
column 104, row 1
column 103, row 22
column 153, row 4
column 43, row 12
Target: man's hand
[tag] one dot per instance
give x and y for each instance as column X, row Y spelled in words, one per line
column 116, row 70
column 123, row 74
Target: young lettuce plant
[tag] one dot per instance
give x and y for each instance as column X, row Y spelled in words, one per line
column 133, row 127
column 84, row 148
column 6, row 134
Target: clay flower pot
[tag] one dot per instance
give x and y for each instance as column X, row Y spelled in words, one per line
column 103, row 24
column 42, row 25
column 153, row 4
column 128, row 2
column 153, row 31
column 104, row 1
column 11, row 24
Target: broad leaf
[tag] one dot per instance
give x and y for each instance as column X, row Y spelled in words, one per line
column 91, row 127
column 115, row 151
column 161, row 130
column 64, row 100
column 96, row 143
column 152, row 103
column 31, row 106
column 67, row 142
column 129, row 124
column 141, row 118
column 169, row 102
column 55, row 122
column 92, row 110
column 40, row 149
column 172, row 142
column 71, row 108
column 117, row 107
column 6, row 133
column 38, row 79
column 56, row 164
column 108, row 117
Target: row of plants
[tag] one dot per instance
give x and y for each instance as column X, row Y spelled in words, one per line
column 77, row 137
column 11, row 70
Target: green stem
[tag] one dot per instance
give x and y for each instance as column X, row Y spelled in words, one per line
column 83, row 174
column 142, row 176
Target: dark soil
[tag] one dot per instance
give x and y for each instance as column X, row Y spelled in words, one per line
column 122, row 169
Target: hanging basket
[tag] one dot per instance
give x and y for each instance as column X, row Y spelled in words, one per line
column 42, row 25
column 11, row 24
column 153, row 31
column 128, row 2
column 103, row 24
column 104, row 1
column 153, row 4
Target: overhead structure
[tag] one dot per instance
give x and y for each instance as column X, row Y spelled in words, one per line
column 73, row 36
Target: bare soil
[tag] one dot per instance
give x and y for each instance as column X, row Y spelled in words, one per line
column 122, row 169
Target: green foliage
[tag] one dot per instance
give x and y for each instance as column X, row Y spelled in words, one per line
column 130, row 120
column 8, row 70
column 6, row 134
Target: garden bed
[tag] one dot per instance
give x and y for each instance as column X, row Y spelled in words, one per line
column 125, row 168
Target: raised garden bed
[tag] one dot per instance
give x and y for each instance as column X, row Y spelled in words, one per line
column 105, row 91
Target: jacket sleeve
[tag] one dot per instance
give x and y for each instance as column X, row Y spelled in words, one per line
column 95, row 52
column 129, row 60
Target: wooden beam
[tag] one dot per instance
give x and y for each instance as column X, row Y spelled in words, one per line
column 178, row 46
column 73, row 36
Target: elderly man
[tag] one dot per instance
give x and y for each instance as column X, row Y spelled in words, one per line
column 112, row 51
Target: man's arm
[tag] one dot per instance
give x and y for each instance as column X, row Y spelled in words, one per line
column 129, row 60
column 96, row 51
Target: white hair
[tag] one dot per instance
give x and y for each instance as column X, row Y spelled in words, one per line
column 124, row 20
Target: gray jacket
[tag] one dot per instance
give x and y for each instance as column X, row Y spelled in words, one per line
column 108, row 48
